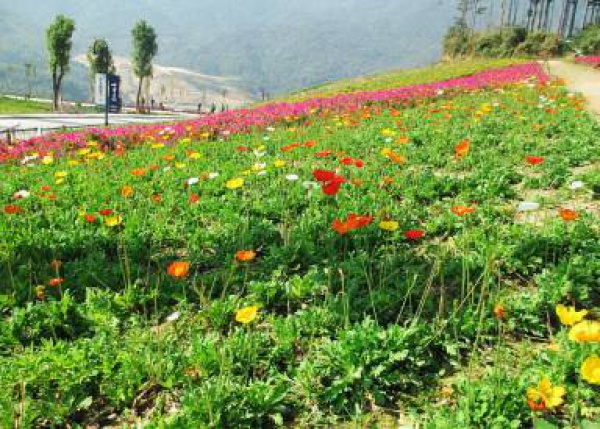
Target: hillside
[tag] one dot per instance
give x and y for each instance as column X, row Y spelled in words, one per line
column 273, row 45
column 381, row 254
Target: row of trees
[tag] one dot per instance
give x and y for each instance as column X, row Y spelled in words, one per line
column 59, row 41
column 564, row 17
column 523, row 28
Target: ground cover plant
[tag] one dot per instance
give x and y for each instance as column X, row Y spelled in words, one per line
column 426, row 253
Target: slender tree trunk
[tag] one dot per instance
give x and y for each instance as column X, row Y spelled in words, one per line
column 139, row 95
column 58, row 91
column 54, row 91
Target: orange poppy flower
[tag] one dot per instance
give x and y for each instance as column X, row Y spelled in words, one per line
column 12, row 209
column 462, row 210
column 46, row 188
column 353, row 221
column 245, row 255
column 403, row 140
column 157, row 198
column 139, row 172
column 178, row 269
column 568, row 215
column 105, row 212
column 462, row 149
column 499, row 311
column 56, row 281
column 127, row 191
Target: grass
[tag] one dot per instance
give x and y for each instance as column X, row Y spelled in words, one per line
column 10, row 106
column 398, row 78
column 448, row 325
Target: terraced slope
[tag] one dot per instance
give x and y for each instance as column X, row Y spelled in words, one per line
column 412, row 254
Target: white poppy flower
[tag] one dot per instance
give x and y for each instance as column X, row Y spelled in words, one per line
column 292, row 177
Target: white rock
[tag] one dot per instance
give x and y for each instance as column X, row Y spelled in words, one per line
column 173, row 317
column 528, row 206
column 578, row 184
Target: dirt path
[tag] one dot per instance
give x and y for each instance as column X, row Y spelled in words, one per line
column 579, row 78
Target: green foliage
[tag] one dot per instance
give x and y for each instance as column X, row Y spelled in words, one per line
column 588, row 40
column 368, row 367
column 100, row 57
column 59, row 43
column 501, row 43
column 144, row 49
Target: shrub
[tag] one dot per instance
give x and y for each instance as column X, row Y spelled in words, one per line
column 588, row 41
column 457, row 41
column 540, row 43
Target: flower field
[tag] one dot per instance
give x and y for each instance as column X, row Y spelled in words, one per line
column 426, row 253
column 592, row 60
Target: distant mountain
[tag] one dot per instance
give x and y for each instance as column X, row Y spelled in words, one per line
column 274, row 45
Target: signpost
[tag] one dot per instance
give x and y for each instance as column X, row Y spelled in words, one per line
column 107, row 94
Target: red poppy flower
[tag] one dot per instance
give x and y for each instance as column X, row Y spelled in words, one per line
column 347, row 161
column 157, row 198
column 194, row 198
column 46, row 188
column 90, row 218
column 324, row 154
column 12, row 209
column 106, row 212
column 534, row 160
column 324, row 175
column 414, row 234
column 242, row 148
column 330, row 182
column 310, row 143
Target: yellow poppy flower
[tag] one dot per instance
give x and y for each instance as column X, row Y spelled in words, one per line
column 157, row 145
column 180, row 165
column 61, row 174
column 590, row 370
column 388, row 132
column 545, row 395
column 569, row 316
column 389, row 225
column 586, row 331
column 279, row 163
column 247, row 314
column 72, row 162
column 47, row 160
column 113, row 221
column 195, row 155
column 234, row 183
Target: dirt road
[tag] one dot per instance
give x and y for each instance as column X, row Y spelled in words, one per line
column 579, row 78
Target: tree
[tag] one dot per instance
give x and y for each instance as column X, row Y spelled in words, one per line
column 100, row 60
column 145, row 48
column 30, row 75
column 59, row 44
